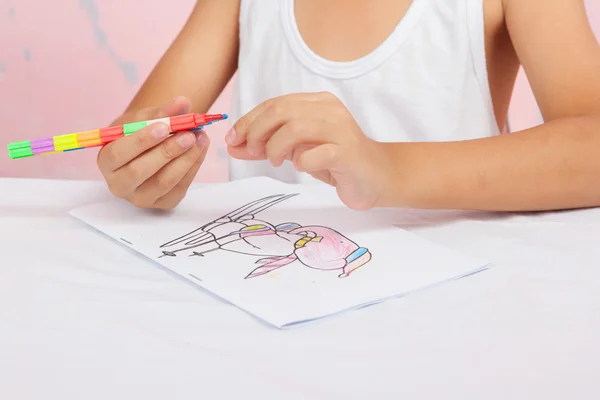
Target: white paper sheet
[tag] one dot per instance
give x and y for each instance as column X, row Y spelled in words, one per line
column 284, row 253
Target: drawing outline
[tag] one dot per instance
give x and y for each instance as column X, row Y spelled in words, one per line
column 276, row 246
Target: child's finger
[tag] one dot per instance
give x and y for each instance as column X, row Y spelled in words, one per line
column 237, row 134
column 274, row 118
column 296, row 133
column 178, row 193
column 140, row 169
column 172, row 175
column 120, row 152
column 241, row 153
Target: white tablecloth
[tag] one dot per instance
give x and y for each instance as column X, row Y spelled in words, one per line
column 82, row 317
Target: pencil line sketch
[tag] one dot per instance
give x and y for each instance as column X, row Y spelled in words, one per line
column 240, row 231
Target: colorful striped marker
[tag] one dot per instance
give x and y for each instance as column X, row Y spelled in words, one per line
column 100, row 137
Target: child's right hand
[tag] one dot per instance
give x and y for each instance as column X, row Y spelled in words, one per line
column 150, row 168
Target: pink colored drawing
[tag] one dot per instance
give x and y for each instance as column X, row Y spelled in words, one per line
column 320, row 248
column 314, row 246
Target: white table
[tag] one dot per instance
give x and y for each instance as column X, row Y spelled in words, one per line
column 82, row 317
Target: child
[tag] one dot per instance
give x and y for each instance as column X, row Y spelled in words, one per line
column 396, row 103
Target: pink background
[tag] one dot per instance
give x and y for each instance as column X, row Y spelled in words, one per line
column 73, row 65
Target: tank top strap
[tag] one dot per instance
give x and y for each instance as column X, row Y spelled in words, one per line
column 475, row 17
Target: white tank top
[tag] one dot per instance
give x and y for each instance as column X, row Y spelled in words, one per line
column 426, row 82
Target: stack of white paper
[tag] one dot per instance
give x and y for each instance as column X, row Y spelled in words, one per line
column 279, row 251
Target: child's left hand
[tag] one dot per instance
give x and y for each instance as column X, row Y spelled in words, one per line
column 319, row 135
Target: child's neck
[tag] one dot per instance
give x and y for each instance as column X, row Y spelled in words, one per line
column 342, row 30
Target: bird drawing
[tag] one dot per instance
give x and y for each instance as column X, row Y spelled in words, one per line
column 240, row 231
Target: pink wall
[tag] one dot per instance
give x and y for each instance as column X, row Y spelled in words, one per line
column 72, row 65
column 524, row 112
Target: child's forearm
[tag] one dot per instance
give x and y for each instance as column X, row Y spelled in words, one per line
column 199, row 63
column 549, row 167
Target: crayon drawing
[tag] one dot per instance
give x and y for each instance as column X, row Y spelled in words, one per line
column 314, row 246
column 287, row 254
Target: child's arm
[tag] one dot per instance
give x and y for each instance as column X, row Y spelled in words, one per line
column 151, row 168
column 201, row 60
column 552, row 166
